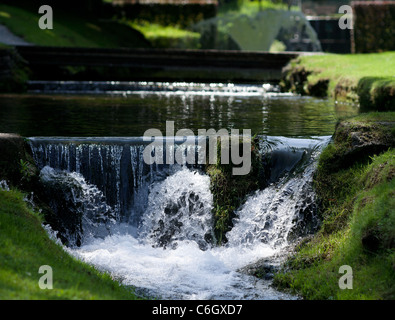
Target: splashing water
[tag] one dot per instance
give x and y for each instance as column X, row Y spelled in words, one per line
column 185, row 271
column 168, row 252
column 4, row 185
column 179, row 211
column 82, row 205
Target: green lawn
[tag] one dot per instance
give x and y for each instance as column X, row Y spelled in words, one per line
column 349, row 68
column 368, row 79
column 25, row 246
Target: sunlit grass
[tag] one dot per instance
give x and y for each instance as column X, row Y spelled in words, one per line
column 25, row 246
column 170, row 36
column 349, row 68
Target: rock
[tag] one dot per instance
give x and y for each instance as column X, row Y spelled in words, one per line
column 17, row 166
column 356, row 141
column 263, row 269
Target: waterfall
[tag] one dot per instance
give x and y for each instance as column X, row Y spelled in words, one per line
column 114, row 165
column 180, row 211
column 151, row 226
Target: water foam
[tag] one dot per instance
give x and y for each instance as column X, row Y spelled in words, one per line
column 180, row 269
column 170, row 253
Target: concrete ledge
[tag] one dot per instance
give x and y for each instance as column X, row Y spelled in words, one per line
column 158, row 64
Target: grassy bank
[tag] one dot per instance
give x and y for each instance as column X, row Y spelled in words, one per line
column 73, row 30
column 25, row 246
column 355, row 184
column 365, row 78
column 70, row 29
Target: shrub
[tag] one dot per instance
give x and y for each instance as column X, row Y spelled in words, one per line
column 374, row 26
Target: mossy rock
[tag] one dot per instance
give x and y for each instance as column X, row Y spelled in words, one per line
column 16, row 162
column 18, row 169
column 294, row 78
column 230, row 191
column 355, row 141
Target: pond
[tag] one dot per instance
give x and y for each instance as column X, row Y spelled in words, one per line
column 131, row 113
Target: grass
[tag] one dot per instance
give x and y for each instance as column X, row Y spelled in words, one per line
column 170, row 36
column 70, row 30
column 358, row 230
column 25, row 246
column 370, row 78
column 349, row 68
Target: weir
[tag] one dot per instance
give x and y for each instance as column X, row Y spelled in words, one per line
column 152, row 226
column 115, row 166
column 47, row 63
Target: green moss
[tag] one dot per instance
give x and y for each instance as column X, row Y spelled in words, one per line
column 25, row 246
column 229, row 191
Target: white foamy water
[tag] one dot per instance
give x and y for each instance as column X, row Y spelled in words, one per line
column 186, row 272
column 182, row 268
column 168, row 250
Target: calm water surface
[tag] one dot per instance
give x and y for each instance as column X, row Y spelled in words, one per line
column 133, row 114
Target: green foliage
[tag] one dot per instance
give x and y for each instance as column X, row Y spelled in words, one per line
column 166, row 36
column 369, row 35
column 24, row 169
column 167, row 14
column 25, row 246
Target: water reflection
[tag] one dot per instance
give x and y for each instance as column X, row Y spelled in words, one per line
column 132, row 115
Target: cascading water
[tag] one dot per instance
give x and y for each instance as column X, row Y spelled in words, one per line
column 151, row 226
column 285, row 209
